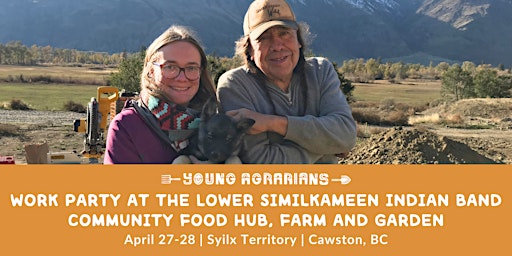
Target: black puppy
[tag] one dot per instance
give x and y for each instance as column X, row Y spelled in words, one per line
column 219, row 138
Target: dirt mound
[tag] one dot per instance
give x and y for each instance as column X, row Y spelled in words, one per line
column 412, row 146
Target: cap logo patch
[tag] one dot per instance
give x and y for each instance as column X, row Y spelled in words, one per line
column 271, row 10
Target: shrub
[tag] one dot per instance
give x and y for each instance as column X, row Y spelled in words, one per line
column 369, row 117
column 365, row 131
column 434, row 118
column 387, row 104
column 454, row 119
column 18, row 105
column 362, row 131
column 45, row 79
column 74, row 107
column 396, row 118
column 362, row 104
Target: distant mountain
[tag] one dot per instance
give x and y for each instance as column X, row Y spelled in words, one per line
column 452, row 30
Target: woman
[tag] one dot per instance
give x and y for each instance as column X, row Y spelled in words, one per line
column 174, row 86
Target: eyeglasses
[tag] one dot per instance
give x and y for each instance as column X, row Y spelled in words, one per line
column 172, row 71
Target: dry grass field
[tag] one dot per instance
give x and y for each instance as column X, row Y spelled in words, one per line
column 411, row 92
column 50, row 87
column 88, row 74
column 50, row 97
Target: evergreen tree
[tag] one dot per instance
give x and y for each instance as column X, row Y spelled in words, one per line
column 215, row 67
column 487, row 83
column 456, row 83
column 505, row 86
column 346, row 85
column 130, row 70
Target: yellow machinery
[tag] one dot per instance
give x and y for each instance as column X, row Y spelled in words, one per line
column 100, row 111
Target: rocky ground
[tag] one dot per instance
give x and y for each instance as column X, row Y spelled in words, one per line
column 484, row 136
column 20, row 128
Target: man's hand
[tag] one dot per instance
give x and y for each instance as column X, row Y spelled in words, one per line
column 264, row 123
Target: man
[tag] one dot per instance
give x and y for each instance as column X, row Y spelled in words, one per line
column 301, row 114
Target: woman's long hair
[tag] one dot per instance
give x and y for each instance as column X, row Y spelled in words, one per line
column 175, row 34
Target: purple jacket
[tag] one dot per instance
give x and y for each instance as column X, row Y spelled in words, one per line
column 131, row 141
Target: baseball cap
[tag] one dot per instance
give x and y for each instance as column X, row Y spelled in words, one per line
column 264, row 14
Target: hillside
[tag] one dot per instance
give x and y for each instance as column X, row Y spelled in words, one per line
column 452, row 30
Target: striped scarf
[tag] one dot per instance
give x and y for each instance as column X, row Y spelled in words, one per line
column 172, row 118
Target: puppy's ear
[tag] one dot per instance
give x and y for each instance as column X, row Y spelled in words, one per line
column 209, row 109
column 244, row 124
